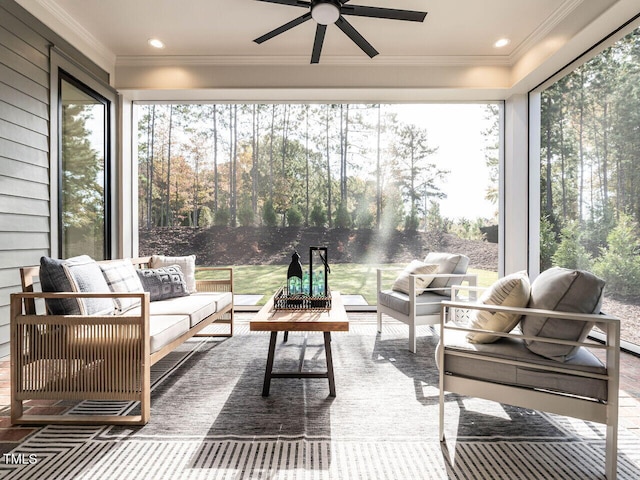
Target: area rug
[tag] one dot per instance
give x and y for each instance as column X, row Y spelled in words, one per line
column 209, row 420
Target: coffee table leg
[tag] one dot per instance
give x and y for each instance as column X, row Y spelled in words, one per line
column 327, row 351
column 269, row 369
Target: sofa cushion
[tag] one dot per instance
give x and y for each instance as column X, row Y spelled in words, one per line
column 163, row 329
column 163, row 283
column 513, row 349
column 447, row 263
column 416, row 267
column 186, row 263
column 76, row 274
column 562, row 290
column 121, row 277
column 86, row 276
column 509, row 291
column 426, row 304
column 197, row 307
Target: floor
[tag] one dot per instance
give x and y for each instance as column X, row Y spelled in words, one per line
column 11, row 436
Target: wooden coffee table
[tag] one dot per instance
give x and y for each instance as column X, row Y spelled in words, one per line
column 274, row 321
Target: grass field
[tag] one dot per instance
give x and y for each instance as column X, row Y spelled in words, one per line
column 347, row 278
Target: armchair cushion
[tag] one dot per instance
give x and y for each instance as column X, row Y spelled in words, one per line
column 416, row 267
column 426, row 304
column 447, row 263
column 509, row 291
column 562, row 290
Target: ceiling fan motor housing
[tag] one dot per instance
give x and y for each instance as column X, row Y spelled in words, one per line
column 325, row 12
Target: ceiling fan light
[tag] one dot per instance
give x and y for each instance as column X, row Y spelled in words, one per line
column 325, row 13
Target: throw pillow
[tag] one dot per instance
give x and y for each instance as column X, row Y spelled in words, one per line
column 121, row 277
column 509, row 291
column 447, row 263
column 54, row 279
column 187, row 265
column 163, row 282
column 85, row 276
column 563, row 290
column 416, row 267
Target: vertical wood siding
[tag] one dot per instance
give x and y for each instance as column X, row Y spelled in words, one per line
column 24, row 156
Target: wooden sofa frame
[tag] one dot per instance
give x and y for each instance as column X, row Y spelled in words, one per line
column 76, row 357
column 543, row 400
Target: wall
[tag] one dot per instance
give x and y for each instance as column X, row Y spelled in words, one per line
column 24, row 148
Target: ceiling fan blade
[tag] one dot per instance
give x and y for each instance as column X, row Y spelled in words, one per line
column 376, row 12
column 317, row 44
column 358, row 39
column 293, row 3
column 283, row 28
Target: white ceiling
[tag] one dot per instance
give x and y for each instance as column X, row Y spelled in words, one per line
column 455, row 34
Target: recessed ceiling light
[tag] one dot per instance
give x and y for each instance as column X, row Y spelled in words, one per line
column 503, row 42
column 156, row 43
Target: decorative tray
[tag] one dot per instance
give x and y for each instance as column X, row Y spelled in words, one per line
column 283, row 301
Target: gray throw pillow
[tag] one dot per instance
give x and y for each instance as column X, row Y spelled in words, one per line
column 163, row 283
column 563, row 290
column 54, row 279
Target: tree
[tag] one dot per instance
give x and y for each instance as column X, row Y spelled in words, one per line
column 269, row 214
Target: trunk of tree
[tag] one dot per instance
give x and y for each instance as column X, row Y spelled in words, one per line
column 328, row 155
column 285, row 132
column 215, row 159
column 605, row 157
column 563, row 173
column 273, row 122
column 306, row 152
column 548, row 184
column 168, row 193
column 152, row 132
column 233, row 165
column 581, row 148
column 378, row 173
column 254, row 167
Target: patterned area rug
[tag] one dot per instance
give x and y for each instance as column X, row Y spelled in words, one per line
column 209, row 420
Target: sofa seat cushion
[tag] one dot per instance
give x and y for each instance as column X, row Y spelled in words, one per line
column 426, row 304
column 514, row 349
column 163, row 329
column 197, row 306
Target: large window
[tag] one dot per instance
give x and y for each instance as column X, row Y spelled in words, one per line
column 84, row 182
column 590, row 171
column 246, row 184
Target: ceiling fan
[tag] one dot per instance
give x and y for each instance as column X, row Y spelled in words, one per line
column 327, row 12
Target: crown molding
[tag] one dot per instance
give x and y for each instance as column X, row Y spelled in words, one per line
column 222, row 60
column 58, row 20
column 562, row 12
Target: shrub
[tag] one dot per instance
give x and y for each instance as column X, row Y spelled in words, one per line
column 246, row 215
column 294, row 217
column 619, row 264
column 269, row 214
column 221, row 217
column 548, row 242
column 205, row 217
column 318, row 216
column 343, row 219
column 411, row 222
column 570, row 252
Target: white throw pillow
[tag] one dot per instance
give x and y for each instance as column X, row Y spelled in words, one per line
column 187, row 264
column 510, row 291
column 121, row 277
column 85, row 276
column 416, row 267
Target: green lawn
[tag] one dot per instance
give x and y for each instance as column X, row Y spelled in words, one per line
column 348, row 278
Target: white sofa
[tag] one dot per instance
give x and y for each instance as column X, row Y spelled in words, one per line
column 104, row 356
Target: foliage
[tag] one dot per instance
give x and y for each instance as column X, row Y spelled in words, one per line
column 318, row 216
column 221, row 217
column 246, row 217
column 548, row 243
column 294, row 217
column 570, row 252
column 205, row 217
column 343, row 219
column 619, row 264
column 411, row 221
column 269, row 214
column 467, row 229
